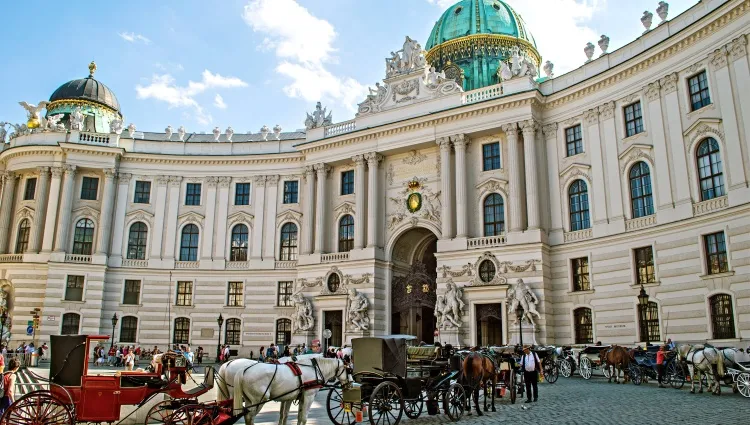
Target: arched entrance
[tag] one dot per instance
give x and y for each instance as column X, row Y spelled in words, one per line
column 413, row 288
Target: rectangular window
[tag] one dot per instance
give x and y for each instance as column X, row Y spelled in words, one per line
column 74, row 288
column 242, row 194
column 347, row 182
column 633, row 119
column 284, row 297
column 89, row 187
column 234, row 294
column 644, row 265
column 291, row 192
column 699, row 96
column 142, row 192
column 30, row 191
column 581, row 274
column 574, row 140
column 193, row 194
column 716, row 253
column 184, row 293
column 491, row 156
column 132, row 292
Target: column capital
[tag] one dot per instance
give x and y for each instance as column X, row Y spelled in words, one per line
column 110, row 173
column 322, row 169
column 7, row 174
column 550, row 131
column 444, row 142
column 69, row 169
column 163, row 180
column 591, row 116
column 42, row 170
column 718, row 58
column 373, row 158
column 738, row 47
column 653, row 91
column 309, row 169
column 460, row 141
column 607, row 110
column 211, row 181
column 225, row 181
column 359, row 160
column 272, row 180
column 124, row 178
column 174, row 180
column 259, row 181
column 56, row 171
column 528, row 127
column 669, row 83
column 510, row 129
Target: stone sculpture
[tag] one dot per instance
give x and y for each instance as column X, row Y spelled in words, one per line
column 411, row 57
column 54, row 124
column 18, row 130
column 662, row 11
column 647, row 19
column 433, row 78
column 131, row 130
column 168, row 132
column 3, row 132
column 217, row 134
column 589, row 50
column 604, row 44
column 520, row 294
column 115, row 126
column 230, row 133
column 303, row 313
column 3, row 300
column 451, row 306
column 76, row 119
column 548, row 68
column 181, row 133
column 358, row 311
column 33, row 112
column 516, row 66
column 318, row 118
column 264, row 133
column 277, row 131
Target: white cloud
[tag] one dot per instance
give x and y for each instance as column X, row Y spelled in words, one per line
column 303, row 44
column 219, row 102
column 133, row 37
column 442, row 3
column 164, row 88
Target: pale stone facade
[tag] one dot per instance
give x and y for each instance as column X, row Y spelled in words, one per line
column 431, row 144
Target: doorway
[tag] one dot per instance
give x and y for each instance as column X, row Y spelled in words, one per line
column 489, row 324
column 334, row 321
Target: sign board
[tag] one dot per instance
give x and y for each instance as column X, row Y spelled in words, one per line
column 51, row 318
column 614, row 326
column 207, row 333
column 259, row 334
column 30, row 330
column 30, row 323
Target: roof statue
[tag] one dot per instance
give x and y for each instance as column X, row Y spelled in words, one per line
column 516, row 66
column 34, row 114
column 264, row 131
column 434, row 78
column 647, row 19
column 589, row 51
column 604, row 44
column 3, row 132
column 217, row 134
column 181, row 133
column 115, row 126
column 411, row 58
column 548, row 69
column 318, row 118
column 662, row 11
column 76, row 119
column 131, row 130
column 230, row 133
column 54, row 124
column 277, row 131
column 168, row 133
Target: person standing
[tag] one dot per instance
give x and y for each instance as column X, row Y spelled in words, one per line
column 531, row 367
column 261, row 354
column 129, row 360
column 660, row 359
column 9, row 384
column 199, row 354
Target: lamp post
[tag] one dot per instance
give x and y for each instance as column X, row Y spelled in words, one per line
column 3, row 319
column 643, row 305
column 114, row 323
column 519, row 317
column 220, row 321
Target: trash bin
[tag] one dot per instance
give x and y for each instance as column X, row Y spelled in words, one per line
column 34, row 359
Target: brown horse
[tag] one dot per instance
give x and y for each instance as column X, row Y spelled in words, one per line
column 618, row 358
column 479, row 369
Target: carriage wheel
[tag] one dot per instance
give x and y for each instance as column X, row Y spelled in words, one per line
column 565, row 368
column 38, row 407
column 677, row 379
column 386, row 404
column 550, row 371
column 336, row 412
column 413, row 407
column 635, row 375
column 159, row 412
column 743, row 384
column 512, row 386
column 191, row 414
column 454, row 401
column 585, row 367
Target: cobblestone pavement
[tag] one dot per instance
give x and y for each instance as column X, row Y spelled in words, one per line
column 569, row 401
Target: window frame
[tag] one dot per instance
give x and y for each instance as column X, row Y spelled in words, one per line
column 581, row 216
column 288, row 247
column 647, row 277
column 87, row 189
column 138, row 250
column 651, row 324
column 142, row 196
column 125, row 292
column 722, row 257
column 239, row 252
column 574, row 140
column 30, row 187
column 729, row 316
column 22, row 236
column 642, row 204
column 577, row 271
column 235, row 333
column 492, row 159
column 184, row 298
column 587, row 330
column 83, row 246
column 190, row 252
column 78, row 287
column 486, row 225
column 715, row 168
column 63, row 324
column 235, row 298
column 134, row 329
column 193, row 194
column 700, row 92
column 284, row 292
column 286, row 334
column 242, row 198
column 347, row 183
column 485, row 275
column 291, row 196
column 636, row 120
column 184, row 331
column 346, row 233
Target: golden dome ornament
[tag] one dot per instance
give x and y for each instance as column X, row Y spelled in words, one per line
column 414, row 199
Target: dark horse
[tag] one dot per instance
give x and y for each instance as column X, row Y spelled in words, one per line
column 479, row 369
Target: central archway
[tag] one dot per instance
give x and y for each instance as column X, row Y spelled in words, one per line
column 413, row 285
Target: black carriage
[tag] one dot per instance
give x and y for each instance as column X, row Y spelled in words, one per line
column 392, row 379
column 643, row 367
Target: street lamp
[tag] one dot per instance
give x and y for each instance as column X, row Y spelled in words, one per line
column 519, row 317
column 643, row 304
column 3, row 319
column 114, row 323
column 220, row 321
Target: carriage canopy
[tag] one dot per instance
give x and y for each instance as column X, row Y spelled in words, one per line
column 380, row 354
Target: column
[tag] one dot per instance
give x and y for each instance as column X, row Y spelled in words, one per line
column 9, row 191
column 309, row 211
column 170, row 240
column 658, row 138
column 597, row 193
column 359, row 201
column 553, row 140
column 63, row 222
column 607, row 119
column 676, row 140
column 207, row 238
column 446, row 218
column 221, row 218
column 529, row 128
column 272, row 203
column 160, row 208
column 373, row 202
column 108, row 203
column 322, row 171
column 516, row 221
column 460, row 143
column 42, row 190
column 121, row 204
column 738, row 57
column 259, row 190
column 51, row 218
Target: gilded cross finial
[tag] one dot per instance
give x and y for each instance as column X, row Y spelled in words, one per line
column 92, row 68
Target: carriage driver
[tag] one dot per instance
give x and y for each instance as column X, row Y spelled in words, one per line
column 531, row 369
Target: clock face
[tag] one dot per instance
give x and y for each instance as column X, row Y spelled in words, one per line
column 414, row 202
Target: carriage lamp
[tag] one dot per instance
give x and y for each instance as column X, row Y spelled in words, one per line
column 519, row 316
column 220, row 321
column 643, row 303
column 114, row 323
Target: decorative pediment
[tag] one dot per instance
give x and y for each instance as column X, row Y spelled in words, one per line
column 190, row 217
column 86, row 211
column 25, row 212
column 575, row 170
column 702, row 128
column 344, row 208
column 240, row 217
column 491, row 185
column 288, row 215
column 634, row 153
column 139, row 215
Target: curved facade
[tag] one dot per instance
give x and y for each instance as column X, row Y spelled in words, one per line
column 630, row 172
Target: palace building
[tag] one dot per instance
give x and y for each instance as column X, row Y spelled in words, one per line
column 470, row 169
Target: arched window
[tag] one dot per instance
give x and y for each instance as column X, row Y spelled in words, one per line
column 232, row 333
column 494, row 215
column 722, row 317
column 22, row 238
column 650, row 326
column 238, row 249
column 283, row 331
column 83, row 238
column 486, row 271
column 346, row 233
column 128, row 329
column 578, row 196
column 641, row 200
column 710, row 171
column 70, row 324
column 288, row 242
column 181, row 331
column 584, row 326
column 137, row 241
column 189, row 245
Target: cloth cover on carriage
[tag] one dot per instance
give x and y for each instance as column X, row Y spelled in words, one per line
column 67, row 357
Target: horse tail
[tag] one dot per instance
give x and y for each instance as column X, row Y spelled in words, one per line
column 239, row 391
column 469, row 374
column 720, row 363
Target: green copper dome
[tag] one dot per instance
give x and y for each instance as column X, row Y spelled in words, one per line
column 472, row 37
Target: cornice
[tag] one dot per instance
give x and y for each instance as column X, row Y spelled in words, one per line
column 282, row 158
column 20, row 151
column 92, row 150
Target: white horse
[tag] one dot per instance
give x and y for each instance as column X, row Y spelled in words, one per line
column 230, row 369
column 265, row 382
column 708, row 361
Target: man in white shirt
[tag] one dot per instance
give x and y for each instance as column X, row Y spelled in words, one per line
column 531, row 366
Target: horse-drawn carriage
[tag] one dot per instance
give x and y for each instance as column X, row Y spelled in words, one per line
column 585, row 360
column 391, row 379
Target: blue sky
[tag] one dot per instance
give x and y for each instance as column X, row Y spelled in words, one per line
column 249, row 63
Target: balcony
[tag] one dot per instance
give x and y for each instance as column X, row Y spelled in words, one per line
column 11, row 258
column 479, row 95
column 334, row 258
column 135, row 263
column 706, row 207
column 78, row 258
column 487, row 242
column 186, row 264
column 237, row 265
column 640, row 223
column 579, row 235
column 340, row 128
column 286, row 265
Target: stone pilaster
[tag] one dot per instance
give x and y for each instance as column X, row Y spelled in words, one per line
column 514, row 168
column 359, row 201
column 309, row 211
column 160, row 207
column 445, row 187
column 373, row 205
column 529, row 128
column 259, row 189
column 108, row 203
column 208, row 225
column 221, row 218
column 322, row 171
column 175, row 183
column 460, row 143
column 63, row 222
column 272, row 197
column 51, row 218
column 42, row 190
column 118, row 226
column 9, row 190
